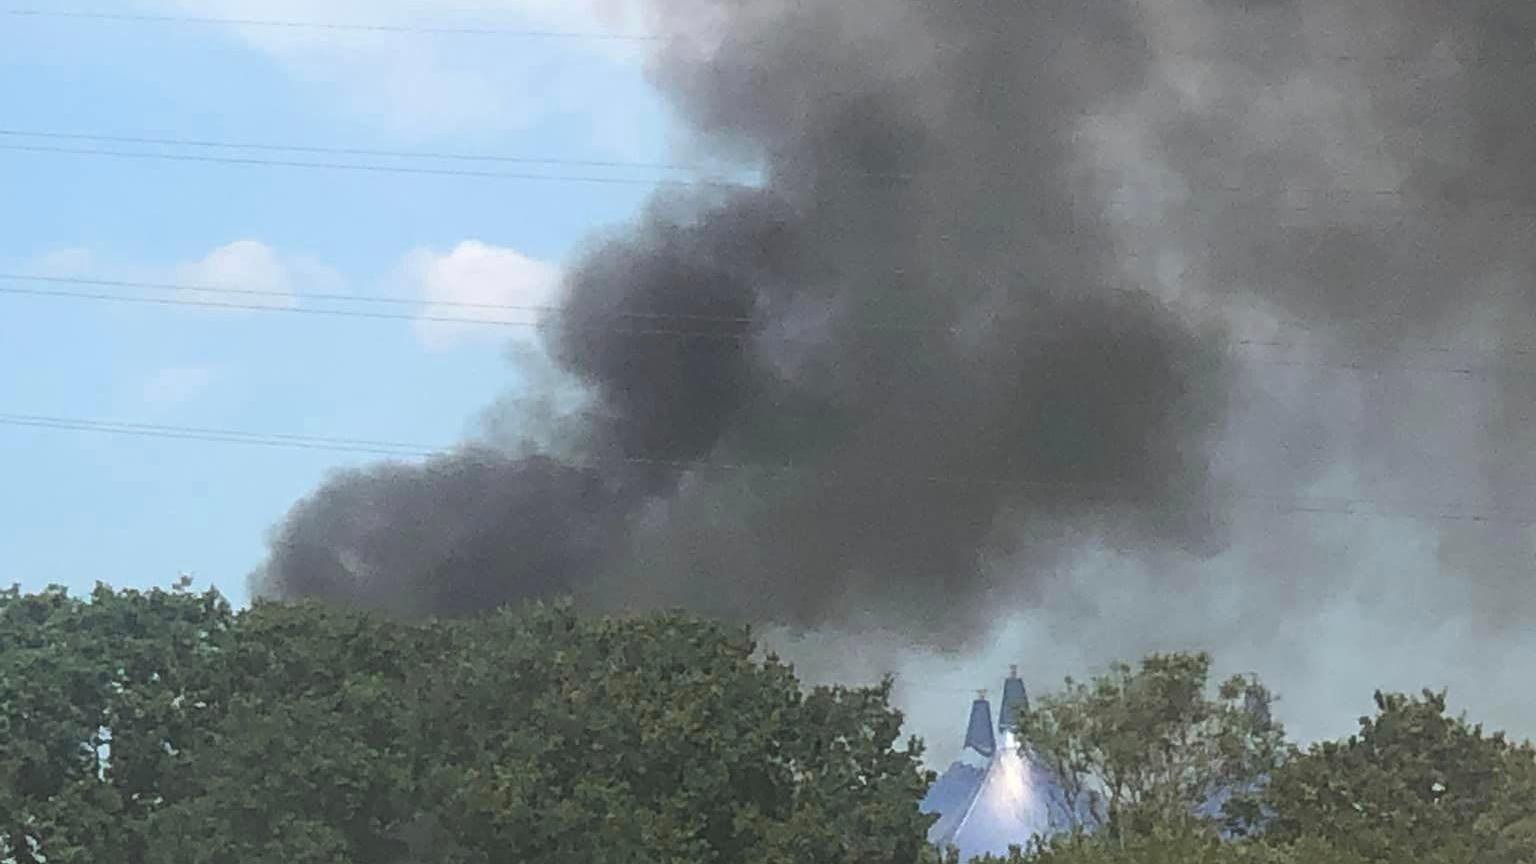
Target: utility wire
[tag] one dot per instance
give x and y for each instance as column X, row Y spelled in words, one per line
column 305, row 442
column 598, row 36
column 736, row 328
column 352, row 313
column 206, row 144
column 895, row 180
column 142, row 18
column 463, row 172
column 358, row 166
column 357, row 298
column 343, row 151
column 267, row 147
column 1339, row 506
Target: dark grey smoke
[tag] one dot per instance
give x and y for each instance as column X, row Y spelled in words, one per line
column 982, row 313
column 454, row 536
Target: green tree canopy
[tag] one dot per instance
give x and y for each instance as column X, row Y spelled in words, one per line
column 1415, row 784
column 161, row 727
column 92, row 717
column 1150, row 746
column 1174, row 845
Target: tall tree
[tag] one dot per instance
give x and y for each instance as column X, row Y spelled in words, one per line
column 1415, row 783
column 1151, row 746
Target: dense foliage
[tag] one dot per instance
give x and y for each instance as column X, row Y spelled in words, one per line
column 162, row 727
column 1415, row 784
column 1150, row 747
column 165, row 728
column 1152, row 752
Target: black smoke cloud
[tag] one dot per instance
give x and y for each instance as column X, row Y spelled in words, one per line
column 942, row 339
column 436, row 539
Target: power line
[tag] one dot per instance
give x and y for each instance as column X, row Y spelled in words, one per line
column 358, row 166
column 894, row 179
column 600, row 36
column 256, row 307
column 304, row 442
column 359, row 298
column 493, row 158
column 205, row 143
column 1337, row 506
column 444, row 156
column 353, row 313
column 345, row 151
column 144, row 18
column 538, row 308
column 736, row 326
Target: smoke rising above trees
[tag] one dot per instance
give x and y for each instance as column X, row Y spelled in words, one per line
column 984, row 309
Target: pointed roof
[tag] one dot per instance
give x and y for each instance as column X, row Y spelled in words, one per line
column 950, row 798
column 978, row 735
column 1015, row 701
column 987, row 808
column 1009, row 809
column 951, row 795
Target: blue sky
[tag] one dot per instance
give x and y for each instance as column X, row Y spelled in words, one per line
column 79, row 506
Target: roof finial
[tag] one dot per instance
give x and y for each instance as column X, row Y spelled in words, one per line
column 1013, row 670
column 982, row 693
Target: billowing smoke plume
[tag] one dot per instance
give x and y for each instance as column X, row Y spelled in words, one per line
column 1022, row 279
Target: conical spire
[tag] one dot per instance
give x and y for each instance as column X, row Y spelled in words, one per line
column 986, row 810
column 1015, row 701
column 978, row 734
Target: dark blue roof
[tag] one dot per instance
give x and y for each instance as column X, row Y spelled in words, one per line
column 1015, row 702
column 978, row 734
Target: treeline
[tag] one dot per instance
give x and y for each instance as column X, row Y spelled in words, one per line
column 163, row 727
column 1153, row 766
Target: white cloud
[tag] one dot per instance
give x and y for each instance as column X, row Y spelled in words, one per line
column 67, row 262
column 431, row 83
column 472, row 282
column 242, row 274
column 176, row 386
column 482, row 282
column 251, row 273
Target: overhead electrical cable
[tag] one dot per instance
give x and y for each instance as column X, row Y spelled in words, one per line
column 306, row 442
column 1340, row 506
column 491, row 158
column 352, row 298
column 365, row 167
column 364, row 27
column 896, row 180
column 364, row 313
column 728, row 327
column 342, row 26
column 343, row 151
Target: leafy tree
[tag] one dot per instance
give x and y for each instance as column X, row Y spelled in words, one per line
column 91, row 713
column 1150, row 747
column 306, row 753
column 1178, row 844
column 663, row 738
column 1415, row 784
column 1165, row 845
column 162, row 728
